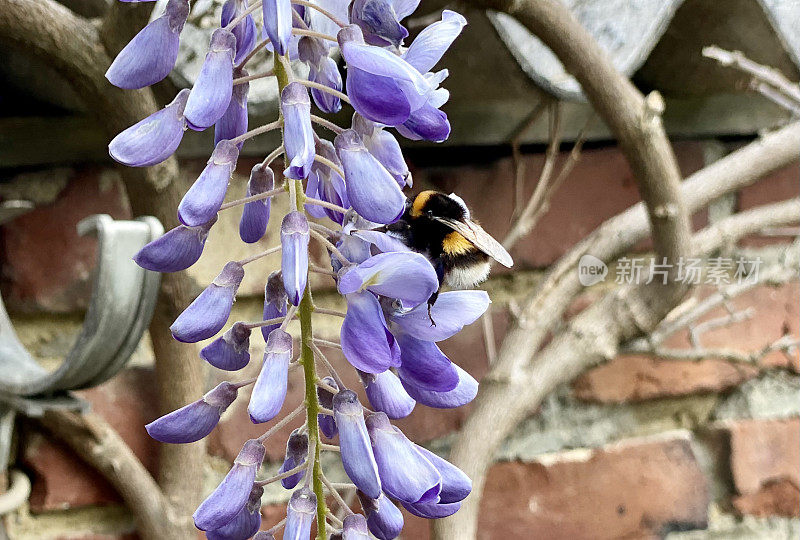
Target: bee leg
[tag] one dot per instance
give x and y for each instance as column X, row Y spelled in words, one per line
column 431, row 301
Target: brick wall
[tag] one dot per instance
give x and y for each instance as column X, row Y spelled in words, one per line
column 635, row 448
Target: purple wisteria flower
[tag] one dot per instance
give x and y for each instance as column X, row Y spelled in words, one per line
column 176, row 250
column 153, row 139
column 211, row 94
column 354, row 442
column 385, row 393
column 382, row 144
column 201, row 203
column 275, row 300
column 151, row 54
column 208, row 313
column 298, row 136
column 296, row 455
column 234, row 120
column 295, row 235
column 379, row 22
column 269, row 391
column 357, row 179
column 300, row 514
column 371, row 189
column 323, row 70
column 245, row 523
column 354, row 527
column 233, row 492
column 455, row 484
column 255, row 214
column 384, row 519
column 405, row 474
column 278, row 24
column 196, row 420
column 246, row 32
column 327, row 425
column 326, row 184
column 231, row 351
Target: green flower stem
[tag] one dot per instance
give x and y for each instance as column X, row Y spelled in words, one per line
column 307, row 357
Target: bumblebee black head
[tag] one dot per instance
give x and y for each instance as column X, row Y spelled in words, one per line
column 437, row 204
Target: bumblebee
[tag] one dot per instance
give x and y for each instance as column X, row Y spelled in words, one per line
column 440, row 227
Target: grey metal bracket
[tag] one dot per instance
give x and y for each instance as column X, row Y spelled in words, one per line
column 122, row 303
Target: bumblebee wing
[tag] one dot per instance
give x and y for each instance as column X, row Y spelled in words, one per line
column 482, row 240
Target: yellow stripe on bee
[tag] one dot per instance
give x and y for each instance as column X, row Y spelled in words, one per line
column 419, row 202
column 455, row 244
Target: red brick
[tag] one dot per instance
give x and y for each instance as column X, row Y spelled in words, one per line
column 775, row 498
column 33, row 281
column 632, row 378
column 61, row 479
column 764, row 451
column 640, row 488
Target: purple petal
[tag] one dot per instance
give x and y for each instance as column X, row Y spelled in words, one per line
column 431, row 44
column 196, row 420
column 294, row 255
column 212, row 90
column 382, row 63
column 234, row 121
column 384, row 519
column 233, row 493
column 245, row 32
column 274, row 302
column 405, row 474
column 354, row 527
column 452, row 311
column 327, row 74
column 382, row 241
column 407, row 276
column 432, row 510
column 269, row 392
column 151, row 54
column 464, row 392
column 153, row 139
column 385, row 148
column 230, row 352
column 246, row 523
column 357, row 458
column 210, row 311
column 278, row 24
column 380, row 99
column 371, row 190
column 176, row 250
column 455, row 484
column 366, row 341
column 386, row 393
column 201, row 203
column 326, row 423
column 300, row 514
column 296, row 455
column 312, row 191
column 378, row 21
column 298, row 136
column 404, row 8
column 255, row 215
column 426, row 123
column 425, row 366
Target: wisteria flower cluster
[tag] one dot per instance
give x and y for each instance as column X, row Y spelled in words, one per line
column 353, row 181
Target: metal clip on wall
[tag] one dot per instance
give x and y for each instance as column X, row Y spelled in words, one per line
column 121, row 306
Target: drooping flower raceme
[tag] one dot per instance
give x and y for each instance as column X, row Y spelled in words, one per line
column 351, row 183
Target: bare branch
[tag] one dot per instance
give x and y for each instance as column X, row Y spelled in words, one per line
column 102, row 448
column 767, row 80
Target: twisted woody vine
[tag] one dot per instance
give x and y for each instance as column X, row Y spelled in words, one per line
column 385, row 254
